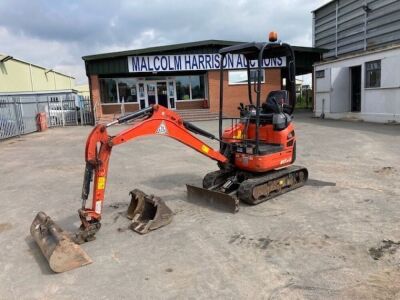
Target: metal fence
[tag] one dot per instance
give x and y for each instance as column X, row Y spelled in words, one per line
column 18, row 114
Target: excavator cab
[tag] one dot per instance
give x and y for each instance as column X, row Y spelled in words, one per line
column 261, row 143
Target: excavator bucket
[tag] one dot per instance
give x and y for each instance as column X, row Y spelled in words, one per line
column 147, row 212
column 218, row 200
column 58, row 248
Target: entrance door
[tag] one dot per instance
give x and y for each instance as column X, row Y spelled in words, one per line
column 356, row 89
column 142, row 95
column 340, row 93
column 151, row 93
column 171, row 94
column 162, row 95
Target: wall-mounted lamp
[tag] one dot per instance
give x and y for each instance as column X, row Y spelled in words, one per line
column 366, row 8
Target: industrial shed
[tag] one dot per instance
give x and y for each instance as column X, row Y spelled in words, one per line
column 359, row 77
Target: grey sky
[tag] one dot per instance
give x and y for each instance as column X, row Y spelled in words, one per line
column 56, row 34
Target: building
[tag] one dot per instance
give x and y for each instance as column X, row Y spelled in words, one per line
column 181, row 76
column 359, row 77
column 20, row 78
column 83, row 90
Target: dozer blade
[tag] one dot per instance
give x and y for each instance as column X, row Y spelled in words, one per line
column 58, row 248
column 147, row 212
column 216, row 199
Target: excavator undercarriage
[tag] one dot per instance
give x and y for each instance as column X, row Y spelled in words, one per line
column 225, row 189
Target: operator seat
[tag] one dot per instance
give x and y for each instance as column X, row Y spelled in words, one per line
column 274, row 104
column 273, row 101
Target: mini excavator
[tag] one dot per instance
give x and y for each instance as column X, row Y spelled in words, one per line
column 255, row 158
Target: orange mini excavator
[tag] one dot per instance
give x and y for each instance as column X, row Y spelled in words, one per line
column 255, row 156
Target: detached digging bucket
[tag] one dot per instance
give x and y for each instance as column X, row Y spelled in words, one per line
column 147, row 212
column 58, row 248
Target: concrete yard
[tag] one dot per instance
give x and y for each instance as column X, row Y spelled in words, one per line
column 316, row 242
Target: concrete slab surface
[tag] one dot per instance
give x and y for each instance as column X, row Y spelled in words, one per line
column 335, row 238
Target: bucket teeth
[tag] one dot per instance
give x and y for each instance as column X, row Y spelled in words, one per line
column 56, row 245
column 147, row 212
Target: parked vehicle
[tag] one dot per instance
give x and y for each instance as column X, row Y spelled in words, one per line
column 63, row 113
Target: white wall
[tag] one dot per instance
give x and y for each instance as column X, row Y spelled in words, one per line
column 377, row 104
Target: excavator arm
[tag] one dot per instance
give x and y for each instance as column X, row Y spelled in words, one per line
column 155, row 120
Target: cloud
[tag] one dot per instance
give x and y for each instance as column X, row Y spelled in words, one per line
column 56, row 34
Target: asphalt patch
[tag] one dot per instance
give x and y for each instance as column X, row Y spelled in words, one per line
column 386, row 171
column 5, row 227
column 386, row 247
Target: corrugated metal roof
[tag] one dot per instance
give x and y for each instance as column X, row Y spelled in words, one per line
column 2, row 55
column 115, row 63
column 181, row 46
column 159, row 49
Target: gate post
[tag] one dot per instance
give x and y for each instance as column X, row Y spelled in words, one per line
column 37, row 104
column 49, row 122
column 76, row 110
column 17, row 115
column 62, row 112
column 83, row 122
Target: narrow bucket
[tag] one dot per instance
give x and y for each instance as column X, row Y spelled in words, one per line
column 58, row 248
column 147, row 212
column 215, row 199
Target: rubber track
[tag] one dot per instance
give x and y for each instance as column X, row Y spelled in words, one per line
column 245, row 191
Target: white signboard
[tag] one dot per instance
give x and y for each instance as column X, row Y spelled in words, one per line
column 196, row 62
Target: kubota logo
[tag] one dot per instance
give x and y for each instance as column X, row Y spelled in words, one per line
column 162, row 129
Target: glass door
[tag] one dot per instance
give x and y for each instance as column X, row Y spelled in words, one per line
column 151, row 93
column 171, row 94
column 142, row 96
column 162, row 96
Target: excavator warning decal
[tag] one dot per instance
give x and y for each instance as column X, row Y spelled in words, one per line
column 101, row 182
column 162, row 129
column 205, row 149
column 98, row 207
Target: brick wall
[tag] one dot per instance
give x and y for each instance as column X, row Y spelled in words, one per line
column 234, row 94
column 189, row 104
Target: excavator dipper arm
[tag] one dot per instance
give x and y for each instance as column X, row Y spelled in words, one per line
column 155, row 120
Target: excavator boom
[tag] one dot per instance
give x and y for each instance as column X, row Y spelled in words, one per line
column 147, row 212
column 156, row 120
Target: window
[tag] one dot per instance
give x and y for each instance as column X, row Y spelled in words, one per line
column 373, row 74
column 190, row 87
column 183, row 88
column 127, row 89
column 108, row 91
column 240, row 77
column 320, row 74
column 197, row 87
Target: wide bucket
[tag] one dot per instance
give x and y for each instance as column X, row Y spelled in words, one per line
column 58, row 248
column 147, row 212
column 215, row 199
